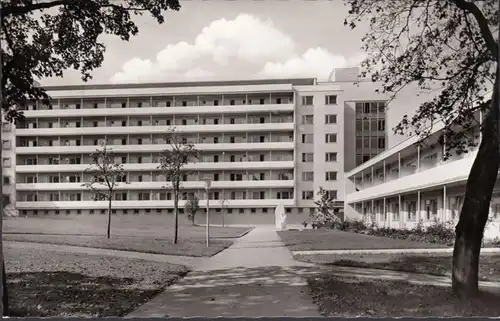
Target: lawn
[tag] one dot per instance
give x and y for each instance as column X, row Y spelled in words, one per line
column 351, row 297
column 149, row 234
column 124, row 225
column 45, row 283
column 489, row 265
column 324, row 239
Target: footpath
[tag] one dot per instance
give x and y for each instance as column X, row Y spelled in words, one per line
column 255, row 277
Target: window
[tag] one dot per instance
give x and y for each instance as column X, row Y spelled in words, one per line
column 262, row 101
column 308, row 176
column 6, row 127
column 6, row 162
column 332, row 194
column 381, row 125
column 307, row 138
column 411, row 209
column 307, row 157
column 6, row 144
column 307, row 119
column 331, row 176
column 381, row 142
column 331, row 100
column 431, row 208
column 184, row 103
column 307, row 100
column 330, row 138
column 330, row 157
column 330, row 119
column 124, row 105
column 395, row 212
column 6, row 180
column 366, row 108
column 231, row 102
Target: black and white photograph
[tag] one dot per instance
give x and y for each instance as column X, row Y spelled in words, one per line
column 250, row 158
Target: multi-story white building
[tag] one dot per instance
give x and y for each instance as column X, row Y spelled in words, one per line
column 409, row 183
column 261, row 142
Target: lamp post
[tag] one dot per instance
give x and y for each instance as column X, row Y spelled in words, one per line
column 208, row 183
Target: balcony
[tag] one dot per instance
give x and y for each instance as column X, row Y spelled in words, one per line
column 447, row 173
column 148, row 111
column 160, row 185
column 154, row 167
column 156, row 129
column 153, row 148
column 150, row 204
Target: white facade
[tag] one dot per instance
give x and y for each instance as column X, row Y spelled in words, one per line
column 408, row 183
column 261, row 142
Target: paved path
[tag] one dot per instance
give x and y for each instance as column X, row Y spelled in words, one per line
column 415, row 278
column 390, row 251
column 188, row 261
column 256, row 277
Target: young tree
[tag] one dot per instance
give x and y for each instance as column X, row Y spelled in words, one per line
column 192, row 207
column 172, row 163
column 450, row 46
column 44, row 38
column 105, row 176
column 326, row 212
column 223, row 205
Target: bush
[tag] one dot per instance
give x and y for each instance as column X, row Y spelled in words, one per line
column 320, row 219
column 305, row 224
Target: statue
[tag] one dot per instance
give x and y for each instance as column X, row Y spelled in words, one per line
column 280, row 217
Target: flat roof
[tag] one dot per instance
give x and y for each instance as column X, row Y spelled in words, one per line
column 292, row 81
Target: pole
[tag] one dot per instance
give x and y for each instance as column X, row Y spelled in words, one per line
column 208, row 221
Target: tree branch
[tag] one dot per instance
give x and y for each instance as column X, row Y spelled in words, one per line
column 20, row 10
column 483, row 25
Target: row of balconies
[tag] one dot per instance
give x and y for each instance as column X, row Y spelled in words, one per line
column 154, row 148
column 155, row 195
column 137, row 121
column 235, row 128
column 147, row 161
column 149, row 176
column 169, row 101
column 141, row 139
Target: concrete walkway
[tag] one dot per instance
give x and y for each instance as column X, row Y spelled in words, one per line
column 415, row 278
column 486, row 250
column 188, row 261
column 256, row 277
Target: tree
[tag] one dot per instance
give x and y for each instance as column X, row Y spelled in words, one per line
column 450, row 47
column 172, row 163
column 44, row 38
column 326, row 213
column 105, row 176
column 223, row 205
column 191, row 207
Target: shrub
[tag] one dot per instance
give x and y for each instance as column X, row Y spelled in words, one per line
column 305, row 224
column 191, row 207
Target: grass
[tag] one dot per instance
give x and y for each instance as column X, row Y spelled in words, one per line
column 154, row 226
column 145, row 233
column 351, row 297
column 185, row 247
column 324, row 239
column 44, row 283
column 489, row 265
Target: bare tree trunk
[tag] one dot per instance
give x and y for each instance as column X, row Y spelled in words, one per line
column 3, row 281
column 5, row 297
column 475, row 210
column 109, row 218
column 176, row 215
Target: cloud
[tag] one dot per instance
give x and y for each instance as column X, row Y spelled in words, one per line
column 314, row 62
column 245, row 38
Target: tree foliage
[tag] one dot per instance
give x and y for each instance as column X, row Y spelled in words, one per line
column 447, row 47
column 450, row 49
column 44, row 38
column 191, row 208
column 105, row 177
column 172, row 163
column 327, row 213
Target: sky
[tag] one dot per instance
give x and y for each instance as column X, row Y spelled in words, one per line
column 232, row 39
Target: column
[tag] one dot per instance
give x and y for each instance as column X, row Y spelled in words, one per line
column 384, row 211
column 399, row 209
column 399, row 165
column 418, row 158
column 373, row 178
column 444, row 204
column 373, row 213
column 418, row 206
column 385, row 179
